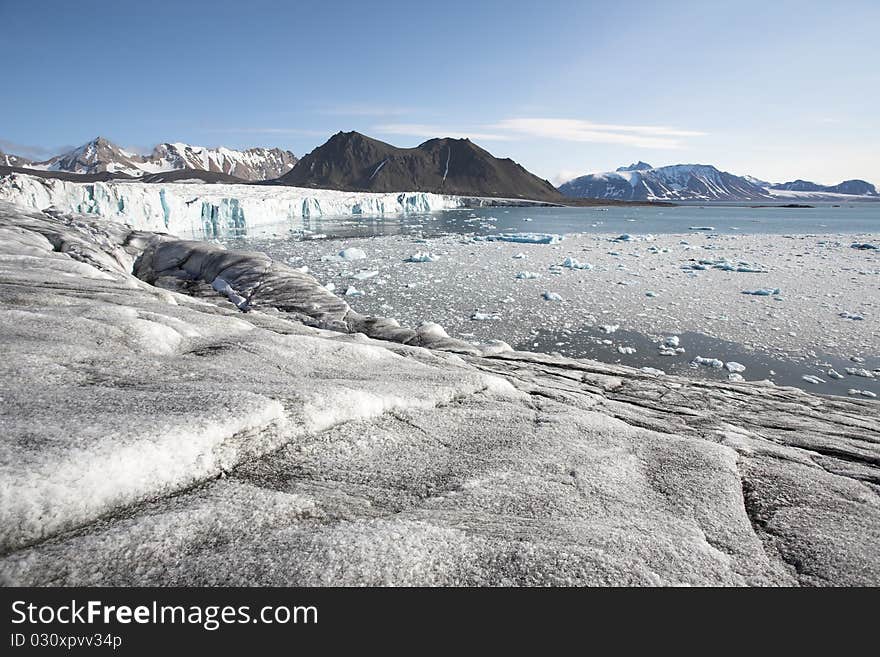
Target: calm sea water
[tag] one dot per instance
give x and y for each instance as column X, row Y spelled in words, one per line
column 861, row 217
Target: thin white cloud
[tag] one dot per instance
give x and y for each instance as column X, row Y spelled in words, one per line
column 577, row 130
column 573, row 130
column 422, row 130
column 565, row 175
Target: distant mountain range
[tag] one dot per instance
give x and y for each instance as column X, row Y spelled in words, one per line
column 352, row 161
column 101, row 155
column 698, row 182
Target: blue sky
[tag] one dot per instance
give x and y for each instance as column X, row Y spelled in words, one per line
column 774, row 89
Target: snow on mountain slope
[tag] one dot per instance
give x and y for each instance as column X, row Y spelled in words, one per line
column 671, row 183
column 10, row 160
column 701, row 182
column 250, row 164
column 101, row 154
column 204, row 209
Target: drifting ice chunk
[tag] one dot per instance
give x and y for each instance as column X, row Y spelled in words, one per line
column 352, row 253
column 834, row 374
column 851, row 316
column 733, row 366
column 482, row 317
column 671, row 341
column 735, row 377
column 527, row 275
column 353, row 292
column 859, row 371
column 811, row 378
column 651, row 370
column 551, row 296
column 525, row 238
column 702, row 228
column 609, row 328
column 714, row 363
column 864, row 246
column 626, row 350
column 423, row 256
column 364, row 275
column 763, row 292
column 574, row 263
column 863, row 393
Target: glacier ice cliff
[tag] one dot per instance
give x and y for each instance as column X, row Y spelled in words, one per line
column 151, row 432
column 200, row 209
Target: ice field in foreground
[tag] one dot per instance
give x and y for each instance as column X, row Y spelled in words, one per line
column 153, row 433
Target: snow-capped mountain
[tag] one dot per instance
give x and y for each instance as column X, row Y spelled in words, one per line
column 250, row 164
column 700, row 182
column 101, row 155
column 855, row 187
column 96, row 156
column 10, row 160
column 679, row 182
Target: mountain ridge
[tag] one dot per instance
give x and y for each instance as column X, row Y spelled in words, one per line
column 352, row 161
column 695, row 182
column 100, row 155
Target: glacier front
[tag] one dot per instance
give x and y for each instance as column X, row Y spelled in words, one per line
column 209, row 210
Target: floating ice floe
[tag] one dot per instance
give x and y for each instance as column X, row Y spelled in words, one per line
column 863, row 393
column 551, row 296
column 864, row 246
column 672, row 341
column 525, row 238
column 650, row 293
column 859, row 371
column 609, row 328
column 714, row 363
column 422, row 256
column 812, row 378
column 351, row 253
column 482, row 317
column 735, row 377
column 733, row 366
column 364, row 275
column 834, row 374
column 626, row 350
column 763, row 292
column 702, row 228
column 574, row 263
column 527, row 275
column 852, row 316
column 353, row 292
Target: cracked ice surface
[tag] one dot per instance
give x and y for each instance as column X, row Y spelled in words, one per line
column 154, row 437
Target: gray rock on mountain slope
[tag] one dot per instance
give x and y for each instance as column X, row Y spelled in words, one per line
column 154, row 437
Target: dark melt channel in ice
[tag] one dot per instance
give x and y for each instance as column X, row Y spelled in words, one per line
column 783, row 370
